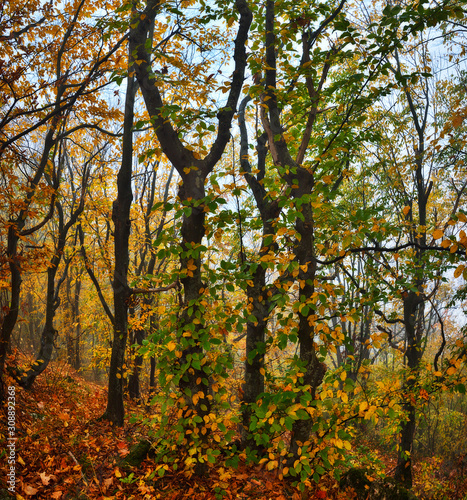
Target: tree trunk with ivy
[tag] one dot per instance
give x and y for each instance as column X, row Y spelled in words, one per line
column 193, row 367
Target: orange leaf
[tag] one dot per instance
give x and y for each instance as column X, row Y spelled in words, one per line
column 446, row 243
column 457, row 120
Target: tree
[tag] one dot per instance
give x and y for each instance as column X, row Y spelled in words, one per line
column 258, row 294
column 70, row 80
column 53, row 288
column 193, row 170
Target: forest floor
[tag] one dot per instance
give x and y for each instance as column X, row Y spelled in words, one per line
column 64, row 452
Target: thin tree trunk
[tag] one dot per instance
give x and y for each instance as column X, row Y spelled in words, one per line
column 259, row 304
column 413, row 319
column 68, row 324
column 134, row 389
column 115, row 411
column 76, row 317
column 48, row 334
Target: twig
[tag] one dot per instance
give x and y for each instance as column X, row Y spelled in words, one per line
column 77, row 463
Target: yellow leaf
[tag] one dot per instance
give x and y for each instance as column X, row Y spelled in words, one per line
column 272, row 465
column 437, row 234
column 459, row 270
column 343, row 375
column 230, row 21
column 171, row 345
column 454, row 248
column 406, row 210
column 462, row 217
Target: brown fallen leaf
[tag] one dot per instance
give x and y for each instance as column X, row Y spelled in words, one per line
column 29, row 490
column 108, row 482
column 46, row 479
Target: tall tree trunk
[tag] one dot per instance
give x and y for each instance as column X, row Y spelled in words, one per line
column 259, row 304
column 194, row 383
column 9, row 320
column 115, row 411
column 301, row 183
column 413, row 300
column 313, row 370
column 413, row 305
column 193, row 368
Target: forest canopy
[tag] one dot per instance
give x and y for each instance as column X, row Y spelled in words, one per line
column 247, row 220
